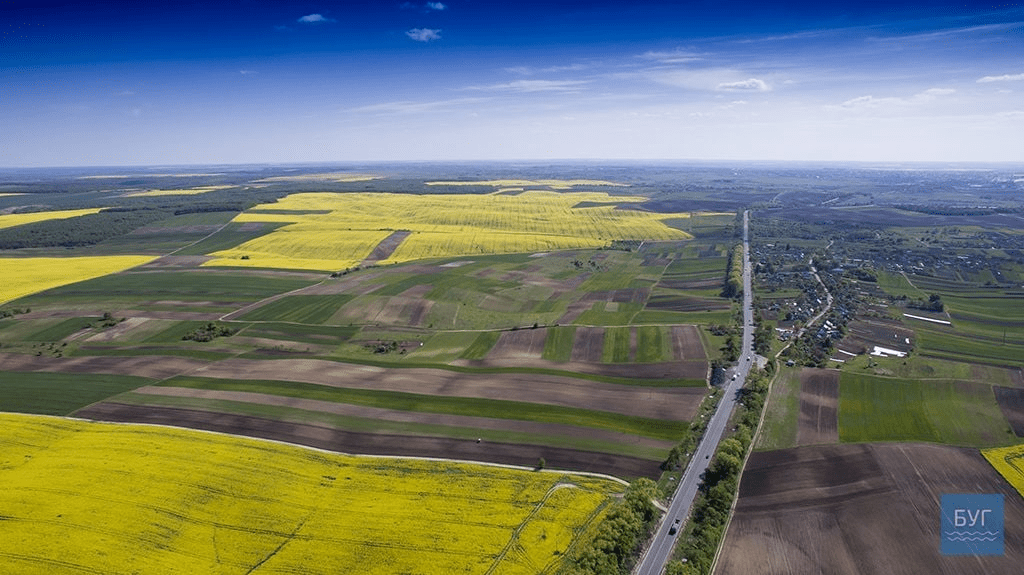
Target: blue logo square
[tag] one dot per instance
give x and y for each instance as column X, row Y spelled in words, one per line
column 972, row 524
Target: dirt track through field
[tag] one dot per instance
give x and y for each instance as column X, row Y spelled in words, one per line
column 382, row 414
column 376, row 444
column 819, row 407
column 871, row 509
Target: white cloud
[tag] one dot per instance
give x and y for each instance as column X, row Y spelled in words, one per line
column 529, row 71
column 864, row 102
column 1003, row 78
column 314, row 19
column 750, row 85
column 407, row 107
column 707, row 79
column 436, row 6
column 535, row 86
column 674, row 57
column 424, row 34
column 247, row 72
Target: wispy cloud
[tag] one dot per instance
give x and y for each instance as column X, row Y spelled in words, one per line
column 947, row 32
column 407, row 107
column 424, row 34
column 1003, row 78
column 529, row 71
column 749, row 85
column 436, row 6
column 707, row 79
column 868, row 102
column 535, row 86
column 673, row 57
column 314, row 19
column 247, row 72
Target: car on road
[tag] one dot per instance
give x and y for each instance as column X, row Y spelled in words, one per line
column 675, row 527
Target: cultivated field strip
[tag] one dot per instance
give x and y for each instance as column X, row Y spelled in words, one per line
column 176, row 501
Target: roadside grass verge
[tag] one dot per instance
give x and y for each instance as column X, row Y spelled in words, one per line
column 782, row 414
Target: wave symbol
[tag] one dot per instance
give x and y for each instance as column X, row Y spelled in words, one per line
column 972, row 535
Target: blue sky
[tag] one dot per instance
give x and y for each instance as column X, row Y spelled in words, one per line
column 119, row 83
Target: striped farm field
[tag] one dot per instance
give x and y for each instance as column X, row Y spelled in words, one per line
column 11, row 220
column 1009, row 462
column 327, row 231
column 24, row 276
column 114, row 498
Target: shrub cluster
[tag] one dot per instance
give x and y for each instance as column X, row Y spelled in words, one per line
column 615, row 547
column 734, row 275
column 208, row 332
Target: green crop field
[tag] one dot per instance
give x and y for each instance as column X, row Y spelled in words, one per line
column 167, row 285
column 290, row 332
column 63, row 329
column 616, row 345
column 873, row 408
column 969, row 348
column 309, row 309
column 60, row 393
column 481, row 345
column 444, row 347
column 558, row 345
column 652, row 344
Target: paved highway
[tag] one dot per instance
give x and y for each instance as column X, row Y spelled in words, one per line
column 658, row 553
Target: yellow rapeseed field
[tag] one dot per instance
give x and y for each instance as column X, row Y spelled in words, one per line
column 550, row 184
column 182, row 192
column 327, row 177
column 11, row 220
column 334, row 231
column 108, row 498
column 24, row 276
column 1009, row 462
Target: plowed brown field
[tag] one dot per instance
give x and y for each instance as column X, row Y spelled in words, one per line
column 861, row 510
